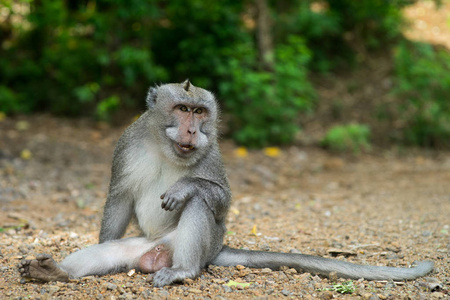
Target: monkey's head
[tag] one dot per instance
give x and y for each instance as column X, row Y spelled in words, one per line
column 185, row 120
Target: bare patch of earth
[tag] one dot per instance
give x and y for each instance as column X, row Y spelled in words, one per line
column 390, row 207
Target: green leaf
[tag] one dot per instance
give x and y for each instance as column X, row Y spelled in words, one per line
column 235, row 283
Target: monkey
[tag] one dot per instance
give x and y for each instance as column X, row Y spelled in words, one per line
column 168, row 175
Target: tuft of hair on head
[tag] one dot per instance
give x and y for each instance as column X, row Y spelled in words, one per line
column 186, row 85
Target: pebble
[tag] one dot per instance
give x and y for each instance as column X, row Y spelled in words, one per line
column 227, row 289
column 194, row 291
column 188, row 281
column 369, row 296
column 438, row 295
column 111, row 286
column 164, row 294
column 326, row 295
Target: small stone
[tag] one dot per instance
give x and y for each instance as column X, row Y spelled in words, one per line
column 194, row 291
column 438, row 295
column 291, row 271
column 426, row 233
column 218, row 280
column 366, row 296
column 53, row 289
column 111, row 286
column 240, row 267
column 285, row 292
column 164, row 294
column 326, row 295
column 266, row 270
column 227, row 289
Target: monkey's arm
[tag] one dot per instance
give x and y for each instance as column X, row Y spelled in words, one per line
column 116, row 215
column 118, row 208
column 208, row 182
column 213, row 193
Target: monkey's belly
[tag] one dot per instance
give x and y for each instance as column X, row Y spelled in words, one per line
column 154, row 221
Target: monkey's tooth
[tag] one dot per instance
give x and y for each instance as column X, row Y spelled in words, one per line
column 186, row 147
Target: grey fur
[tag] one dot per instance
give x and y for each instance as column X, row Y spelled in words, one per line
column 182, row 201
column 195, row 187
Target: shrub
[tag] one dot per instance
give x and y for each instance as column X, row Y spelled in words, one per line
column 338, row 32
column 422, row 75
column 10, row 102
column 343, row 138
column 265, row 105
column 78, row 58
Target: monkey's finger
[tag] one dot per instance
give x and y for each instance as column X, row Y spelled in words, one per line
column 164, row 203
column 173, row 205
column 167, row 203
column 162, row 196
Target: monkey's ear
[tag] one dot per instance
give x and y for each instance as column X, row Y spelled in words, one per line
column 151, row 97
column 186, row 85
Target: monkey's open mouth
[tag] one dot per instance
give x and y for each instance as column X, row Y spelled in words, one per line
column 186, row 147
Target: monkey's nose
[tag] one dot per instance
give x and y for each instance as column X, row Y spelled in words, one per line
column 192, row 131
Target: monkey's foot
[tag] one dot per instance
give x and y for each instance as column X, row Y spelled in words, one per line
column 166, row 276
column 42, row 268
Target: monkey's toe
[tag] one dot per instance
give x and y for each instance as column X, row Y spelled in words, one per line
column 167, row 276
column 164, row 277
column 43, row 268
column 24, row 268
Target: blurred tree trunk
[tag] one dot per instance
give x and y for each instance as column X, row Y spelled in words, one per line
column 264, row 35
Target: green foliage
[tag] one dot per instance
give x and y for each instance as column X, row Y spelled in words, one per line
column 422, row 75
column 338, row 31
column 321, row 31
column 106, row 106
column 344, row 288
column 352, row 137
column 265, row 105
column 77, row 58
column 372, row 22
column 196, row 37
column 10, row 102
column 96, row 57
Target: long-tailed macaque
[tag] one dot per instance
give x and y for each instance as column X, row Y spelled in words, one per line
column 167, row 171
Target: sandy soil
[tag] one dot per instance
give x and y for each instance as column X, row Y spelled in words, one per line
column 390, row 207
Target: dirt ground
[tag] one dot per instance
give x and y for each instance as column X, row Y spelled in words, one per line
column 390, row 207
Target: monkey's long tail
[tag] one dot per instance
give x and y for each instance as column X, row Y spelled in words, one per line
column 317, row 265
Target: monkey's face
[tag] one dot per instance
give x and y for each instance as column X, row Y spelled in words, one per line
column 189, row 119
column 186, row 130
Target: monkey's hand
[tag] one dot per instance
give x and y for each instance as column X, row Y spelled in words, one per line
column 175, row 197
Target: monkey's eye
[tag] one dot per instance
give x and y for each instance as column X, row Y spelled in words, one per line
column 184, row 108
column 198, row 110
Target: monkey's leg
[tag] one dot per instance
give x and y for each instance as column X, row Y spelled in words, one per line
column 198, row 239
column 107, row 258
